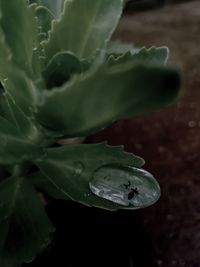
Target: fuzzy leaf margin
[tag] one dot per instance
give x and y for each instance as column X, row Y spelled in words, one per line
column 55, row 6
column 86, row 34
column 108, row 93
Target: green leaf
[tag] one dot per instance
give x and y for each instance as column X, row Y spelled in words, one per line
column 19, row 26
column 42, row 184
column 127, row 186
column 6, row 58
column 84, row 28
column 5, row 55
column 16, row 116
column 24, row 225
column 117, row 48
column 55, row 6
column 14, row 80
column 21, row 88
column 45, row 18
column 13, row 147
column 70, row 169
column 153, row 55
column 106, row 94
column 61, row 68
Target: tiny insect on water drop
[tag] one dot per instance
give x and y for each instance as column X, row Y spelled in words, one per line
column 133, row 192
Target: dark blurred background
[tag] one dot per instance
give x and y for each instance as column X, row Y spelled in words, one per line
column 140, row 5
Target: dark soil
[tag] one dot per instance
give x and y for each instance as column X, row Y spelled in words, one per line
column 167, row 234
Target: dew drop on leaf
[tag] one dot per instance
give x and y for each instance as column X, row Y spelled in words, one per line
column 87, row 194
column 128, row 186
column 79, row 167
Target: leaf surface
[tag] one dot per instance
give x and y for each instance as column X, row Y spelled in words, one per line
column 14, row 80
column 45, row 18
column 55, row 6
column 91, row 102
column 84, row 28
column 24, row 225
column 14, row 148
column 70, row 169
column 61, row 68
column 152, row 55
column 19, row 26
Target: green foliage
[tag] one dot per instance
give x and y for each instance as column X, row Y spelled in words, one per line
column 88, row 33
column 61, row 76
column 25, row 227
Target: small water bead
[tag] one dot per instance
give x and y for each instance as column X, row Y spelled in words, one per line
column 87, row 194
column 79, row 167
column 127, row 186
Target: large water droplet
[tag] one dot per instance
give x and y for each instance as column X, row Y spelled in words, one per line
column 79, row 167
column 127, row 186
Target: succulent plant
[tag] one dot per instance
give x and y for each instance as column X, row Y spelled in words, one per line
column 61, row 77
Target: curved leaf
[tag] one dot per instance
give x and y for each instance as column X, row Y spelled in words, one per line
column 84, row 27
column 21, row 88
column 5, row 56
column 70, row 169
column 16, row 116
column 13, row 147
column 153, row 55
column 41, row 182
column 61, row 68
column 24, row 225
column 107, row 94
column 14, row 80
column 19, row 27
column 117, row 48
column 45, row 18
column 55, row 6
